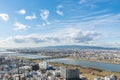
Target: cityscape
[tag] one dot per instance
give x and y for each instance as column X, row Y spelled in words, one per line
column 59, row 40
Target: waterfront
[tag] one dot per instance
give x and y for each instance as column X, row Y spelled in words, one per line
column 89, row 70
column 84, row 63
column 24, row 55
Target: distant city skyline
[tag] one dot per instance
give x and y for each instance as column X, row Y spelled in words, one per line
column 38, row 23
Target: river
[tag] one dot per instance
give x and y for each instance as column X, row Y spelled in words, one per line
column 84, row 63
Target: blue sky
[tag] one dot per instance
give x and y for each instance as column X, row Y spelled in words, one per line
column 37, row 23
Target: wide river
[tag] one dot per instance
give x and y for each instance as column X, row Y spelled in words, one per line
column 84, row 63
column 97, row 65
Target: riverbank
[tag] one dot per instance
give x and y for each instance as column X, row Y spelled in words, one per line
column 94, row 60
column 89, row 73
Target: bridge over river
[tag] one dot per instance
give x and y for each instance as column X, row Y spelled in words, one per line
column 30, row 56
column 49, row 57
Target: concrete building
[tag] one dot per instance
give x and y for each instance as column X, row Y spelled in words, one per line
column 69, row 74
column 112, row 77
column 56, row 73
column 51, row 78
column 98, row 78
column 43, row 65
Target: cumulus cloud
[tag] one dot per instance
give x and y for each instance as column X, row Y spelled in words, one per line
column 58, row 11
column 44, row 14
column 31, row 17
column 65, row 36
column 19, row 26
column 4, row 16
column 22, row 11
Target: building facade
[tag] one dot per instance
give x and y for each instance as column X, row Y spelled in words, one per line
column 70, row 74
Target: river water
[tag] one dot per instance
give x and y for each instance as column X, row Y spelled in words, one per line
column 84, row 63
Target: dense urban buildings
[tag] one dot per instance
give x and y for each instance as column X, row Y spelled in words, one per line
column 59, row 39
column 26, row 66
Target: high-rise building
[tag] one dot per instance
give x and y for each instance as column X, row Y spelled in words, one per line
column 70, row 74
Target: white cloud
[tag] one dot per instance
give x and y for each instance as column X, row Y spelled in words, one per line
column 22, row 11
column 44, row 14
column 19, row 26
column 43, row 24
column 4, row 16
column 31, row 17
column 69, row 35
column 58, row 11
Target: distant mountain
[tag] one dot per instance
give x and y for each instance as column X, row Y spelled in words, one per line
column 79, row 47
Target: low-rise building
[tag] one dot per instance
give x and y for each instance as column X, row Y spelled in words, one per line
column 43, row 65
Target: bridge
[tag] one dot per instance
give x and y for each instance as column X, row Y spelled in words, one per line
column 50, row 57
column 12, row 54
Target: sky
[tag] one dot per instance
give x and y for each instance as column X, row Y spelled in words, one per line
column 39, row 23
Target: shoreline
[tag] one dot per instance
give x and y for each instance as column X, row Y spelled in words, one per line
column 92, row 60
column 88, row 72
